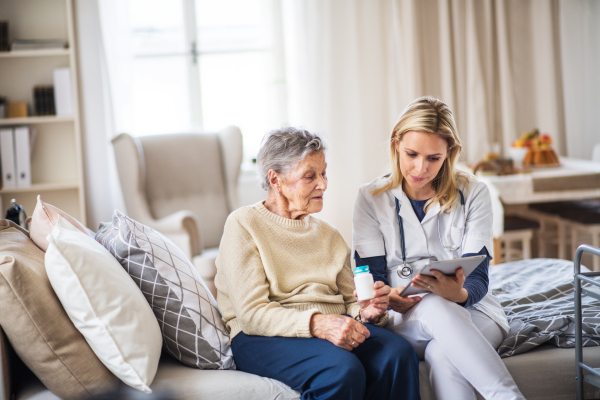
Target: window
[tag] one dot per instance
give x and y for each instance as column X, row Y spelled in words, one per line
column 200, row 65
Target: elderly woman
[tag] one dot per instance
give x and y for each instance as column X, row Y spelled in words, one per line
column 285, row 288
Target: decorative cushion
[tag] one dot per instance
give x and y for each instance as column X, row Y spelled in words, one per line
column 37, row 326
column 104, row 304
column 186, row 310
column 44, row 218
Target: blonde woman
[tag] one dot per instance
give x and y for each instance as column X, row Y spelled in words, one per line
column 428, row 210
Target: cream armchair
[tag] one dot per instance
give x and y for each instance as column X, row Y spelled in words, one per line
column 184, row 186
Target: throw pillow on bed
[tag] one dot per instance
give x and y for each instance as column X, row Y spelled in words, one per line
column 186, row 310
column 104, row 304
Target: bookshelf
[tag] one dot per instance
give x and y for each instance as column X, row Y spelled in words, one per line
column 44, row 187
column 34, row 120
column 56, row 158
column 35, row 53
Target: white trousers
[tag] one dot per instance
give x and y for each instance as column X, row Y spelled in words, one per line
column 458, row 346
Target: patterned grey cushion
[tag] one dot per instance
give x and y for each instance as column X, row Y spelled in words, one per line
column 186, row 310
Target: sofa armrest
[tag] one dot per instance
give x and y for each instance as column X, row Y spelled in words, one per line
column 4, row 368
column 182, row 229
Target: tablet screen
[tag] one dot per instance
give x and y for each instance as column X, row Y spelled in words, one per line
column 447, row 267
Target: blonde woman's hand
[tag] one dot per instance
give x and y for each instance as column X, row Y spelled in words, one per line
column 340, row 330
column 374, row 308
column 448, row 287
column 404, row 303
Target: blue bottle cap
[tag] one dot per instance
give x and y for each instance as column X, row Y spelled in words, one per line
column 358, row 270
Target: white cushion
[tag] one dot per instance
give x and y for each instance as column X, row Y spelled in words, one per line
column 104, row 304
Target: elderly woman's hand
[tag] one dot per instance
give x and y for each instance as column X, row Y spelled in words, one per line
column 340, row 330
column 402, row 304
column 374, row 308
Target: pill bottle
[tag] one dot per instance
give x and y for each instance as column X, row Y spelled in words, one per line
column 363, row 281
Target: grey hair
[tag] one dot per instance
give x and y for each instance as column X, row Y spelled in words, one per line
column 282, row 149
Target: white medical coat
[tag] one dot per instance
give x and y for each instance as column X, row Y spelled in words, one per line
column 376, row 232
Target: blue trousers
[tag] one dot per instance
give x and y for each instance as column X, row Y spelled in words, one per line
column 385, row 366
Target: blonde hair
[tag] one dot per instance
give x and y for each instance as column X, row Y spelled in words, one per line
column 433, row 116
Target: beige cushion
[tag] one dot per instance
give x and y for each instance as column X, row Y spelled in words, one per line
column 105, row 305
column 189, row 383
column 37, row 326
column 186, row 383
column 548, row 372
column 43, row 219
column 544, row 373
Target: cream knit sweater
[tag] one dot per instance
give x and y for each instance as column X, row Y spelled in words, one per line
column 274, row 273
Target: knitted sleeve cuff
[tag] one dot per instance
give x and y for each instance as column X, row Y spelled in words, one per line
column 303, row 323
column 382, row 320
column 352, row 309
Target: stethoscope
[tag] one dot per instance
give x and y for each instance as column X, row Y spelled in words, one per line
column 406, row 269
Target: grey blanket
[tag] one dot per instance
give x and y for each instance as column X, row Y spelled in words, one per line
column 537, row 296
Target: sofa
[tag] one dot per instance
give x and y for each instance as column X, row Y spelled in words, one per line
column 545, row 373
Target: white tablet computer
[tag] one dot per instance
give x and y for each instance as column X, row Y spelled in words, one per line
column 447, row 267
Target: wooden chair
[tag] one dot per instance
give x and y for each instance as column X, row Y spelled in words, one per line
column 512, row 234
column 574, row 223
column 584, row 226
column 553, row 232
column 516, row 239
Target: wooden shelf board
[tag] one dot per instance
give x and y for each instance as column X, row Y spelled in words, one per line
column 42, row 187
column 35, row 120
column 35, row 53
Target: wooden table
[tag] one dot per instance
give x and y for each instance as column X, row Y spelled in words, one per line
column 574, row 179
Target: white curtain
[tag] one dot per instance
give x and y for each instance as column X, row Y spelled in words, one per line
column 353, row 65
column 338, row 77
column 117, row 48
column 504, row 67
column 580, row 56
column 99, row 101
